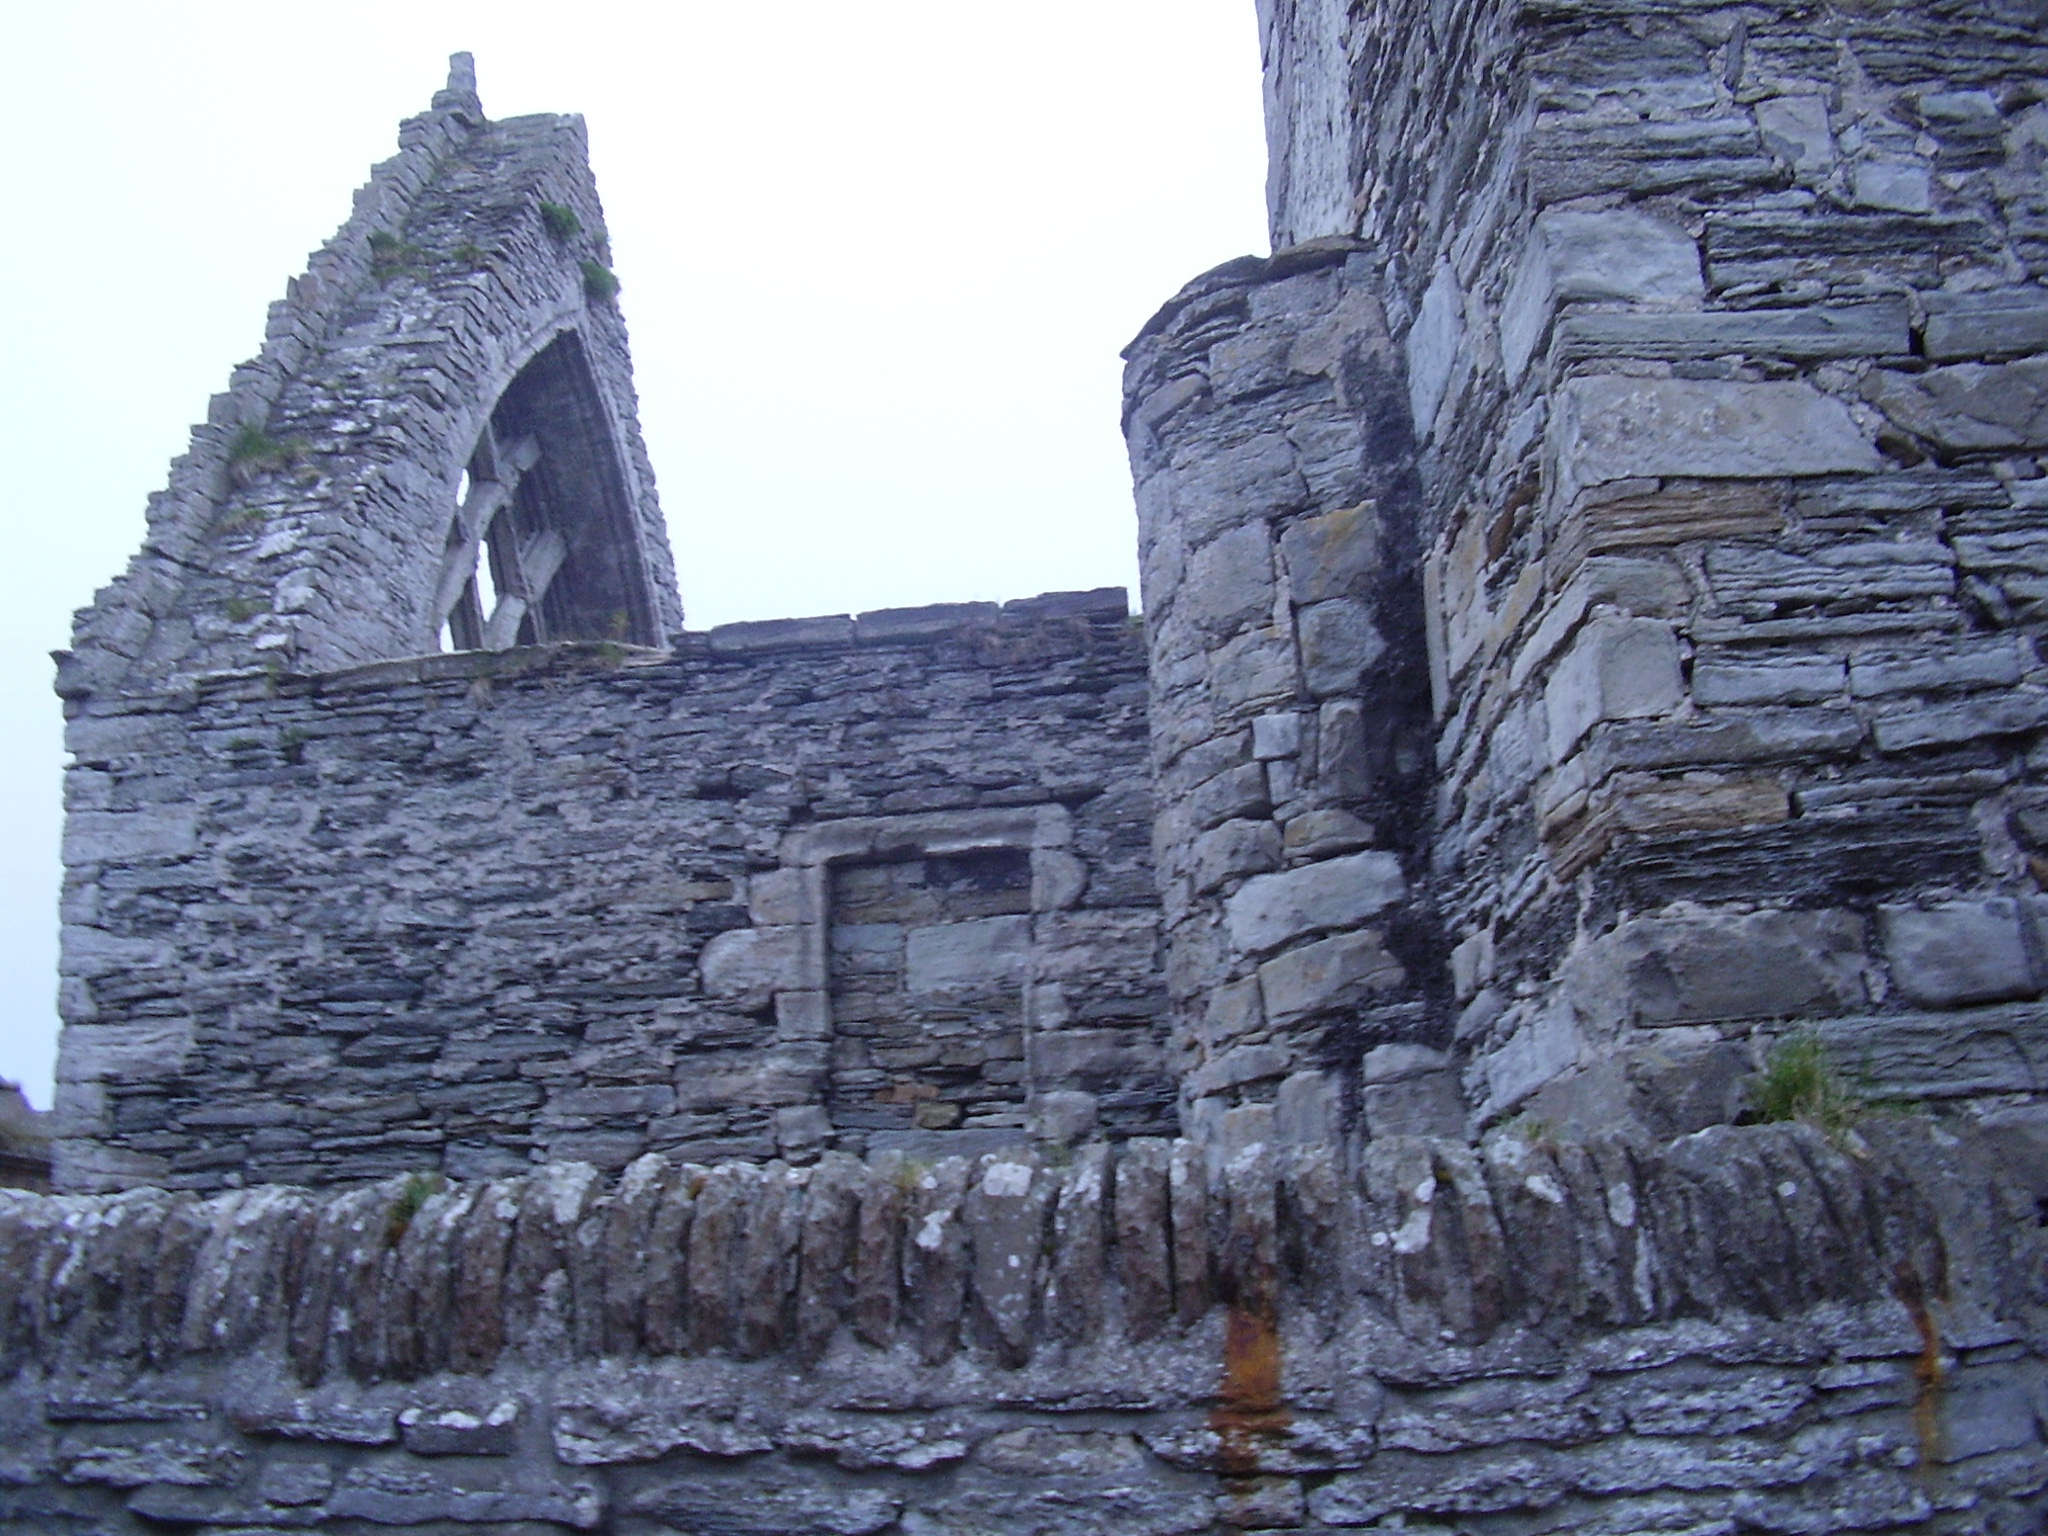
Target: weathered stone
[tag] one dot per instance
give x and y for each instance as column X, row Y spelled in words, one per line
column 1903, row 185
column 1187, row 1188
column 459, row 1432
column 1038, row 1452
column 331, row 1422
column 1612, row 427
column 1268, row 910
column 1962, row 720
column 1229, row 581
column 1005, row 1211
column 1617, row 669
column 780, row 634
column 612, row 1431
column 885, row 626
column 1253, row 672
column 747, row 965
column 831, row 1219
column 913, row 1446
column 1853, row 330
column 1320, row 833
column 169, row 1462
column 935, row 1257
column 765, row 1281
column 400, row 1496
column 1258, row 480
column 294, row 1483
column 1735, row 678
column 1959, row 952
column 1433, row 345
column 552, row 1291
column 1239, row 792
column 1334, row 554
column 1615, row 254
column 1969, row 405
column 1795, row 128
column 1327, row 974
column 949, row 955
column 1275, row 736
column 1344, row 766
column 1528, row 1051
column 1689, row 969
column 1339, row 641
column 1426, row 1105
column 1074, row 1291
column 1959, row 663
column 2001, row 323
column 98, row 1051
column 877, row 1251
column 1678, row 511
column 1233, row 849
column 1237, row 1066
column 1142, row 1205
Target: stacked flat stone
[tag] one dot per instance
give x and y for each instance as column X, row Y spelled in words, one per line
column 1593, row 575
column 304, row 529
column 1276, row 496
column 1723, row 335
column 1751, row 1326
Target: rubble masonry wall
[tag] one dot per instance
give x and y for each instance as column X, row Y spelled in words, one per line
column 1753, row 1329
column 464, row 912
column 1723, row 332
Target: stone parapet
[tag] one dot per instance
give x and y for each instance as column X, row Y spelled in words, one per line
column 1757, row 1325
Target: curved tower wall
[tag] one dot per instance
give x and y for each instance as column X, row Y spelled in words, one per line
column 1276, row 495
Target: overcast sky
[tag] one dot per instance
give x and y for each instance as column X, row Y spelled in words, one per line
column 878, row 261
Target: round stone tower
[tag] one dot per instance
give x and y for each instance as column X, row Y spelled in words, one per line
column 1270, row 445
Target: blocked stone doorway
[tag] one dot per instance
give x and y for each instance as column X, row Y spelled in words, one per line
column 928, row 958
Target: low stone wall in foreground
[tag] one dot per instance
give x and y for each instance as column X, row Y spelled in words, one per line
column 1747, row 1329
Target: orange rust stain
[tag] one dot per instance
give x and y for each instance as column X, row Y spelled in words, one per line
column 1248, row 1413
column 1929, row 1375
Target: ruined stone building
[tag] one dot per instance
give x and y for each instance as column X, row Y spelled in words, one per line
column 1290, row 1061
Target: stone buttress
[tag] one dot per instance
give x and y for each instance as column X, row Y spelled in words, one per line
column 1276, row 499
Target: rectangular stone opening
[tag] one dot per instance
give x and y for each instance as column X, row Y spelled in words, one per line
column 927, row 959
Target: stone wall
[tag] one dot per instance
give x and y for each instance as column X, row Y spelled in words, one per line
column 308, row 526
column 1723, row 336
column 462, row 912
column 1748, row 1329
column 24, row 1141
column 1593, row 583
column 1276, row 502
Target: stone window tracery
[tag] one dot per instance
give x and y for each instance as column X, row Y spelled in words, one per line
column 541, row 544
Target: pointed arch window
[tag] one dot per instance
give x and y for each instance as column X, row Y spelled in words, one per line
column 543, row 544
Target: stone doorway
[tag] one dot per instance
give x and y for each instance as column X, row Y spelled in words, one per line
column 928, row 958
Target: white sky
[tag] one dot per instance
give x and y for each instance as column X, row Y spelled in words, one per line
column 878, row 261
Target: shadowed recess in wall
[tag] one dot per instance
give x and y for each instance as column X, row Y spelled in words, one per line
column 546, row 508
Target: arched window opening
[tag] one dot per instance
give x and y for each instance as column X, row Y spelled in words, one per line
column 542, row 545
